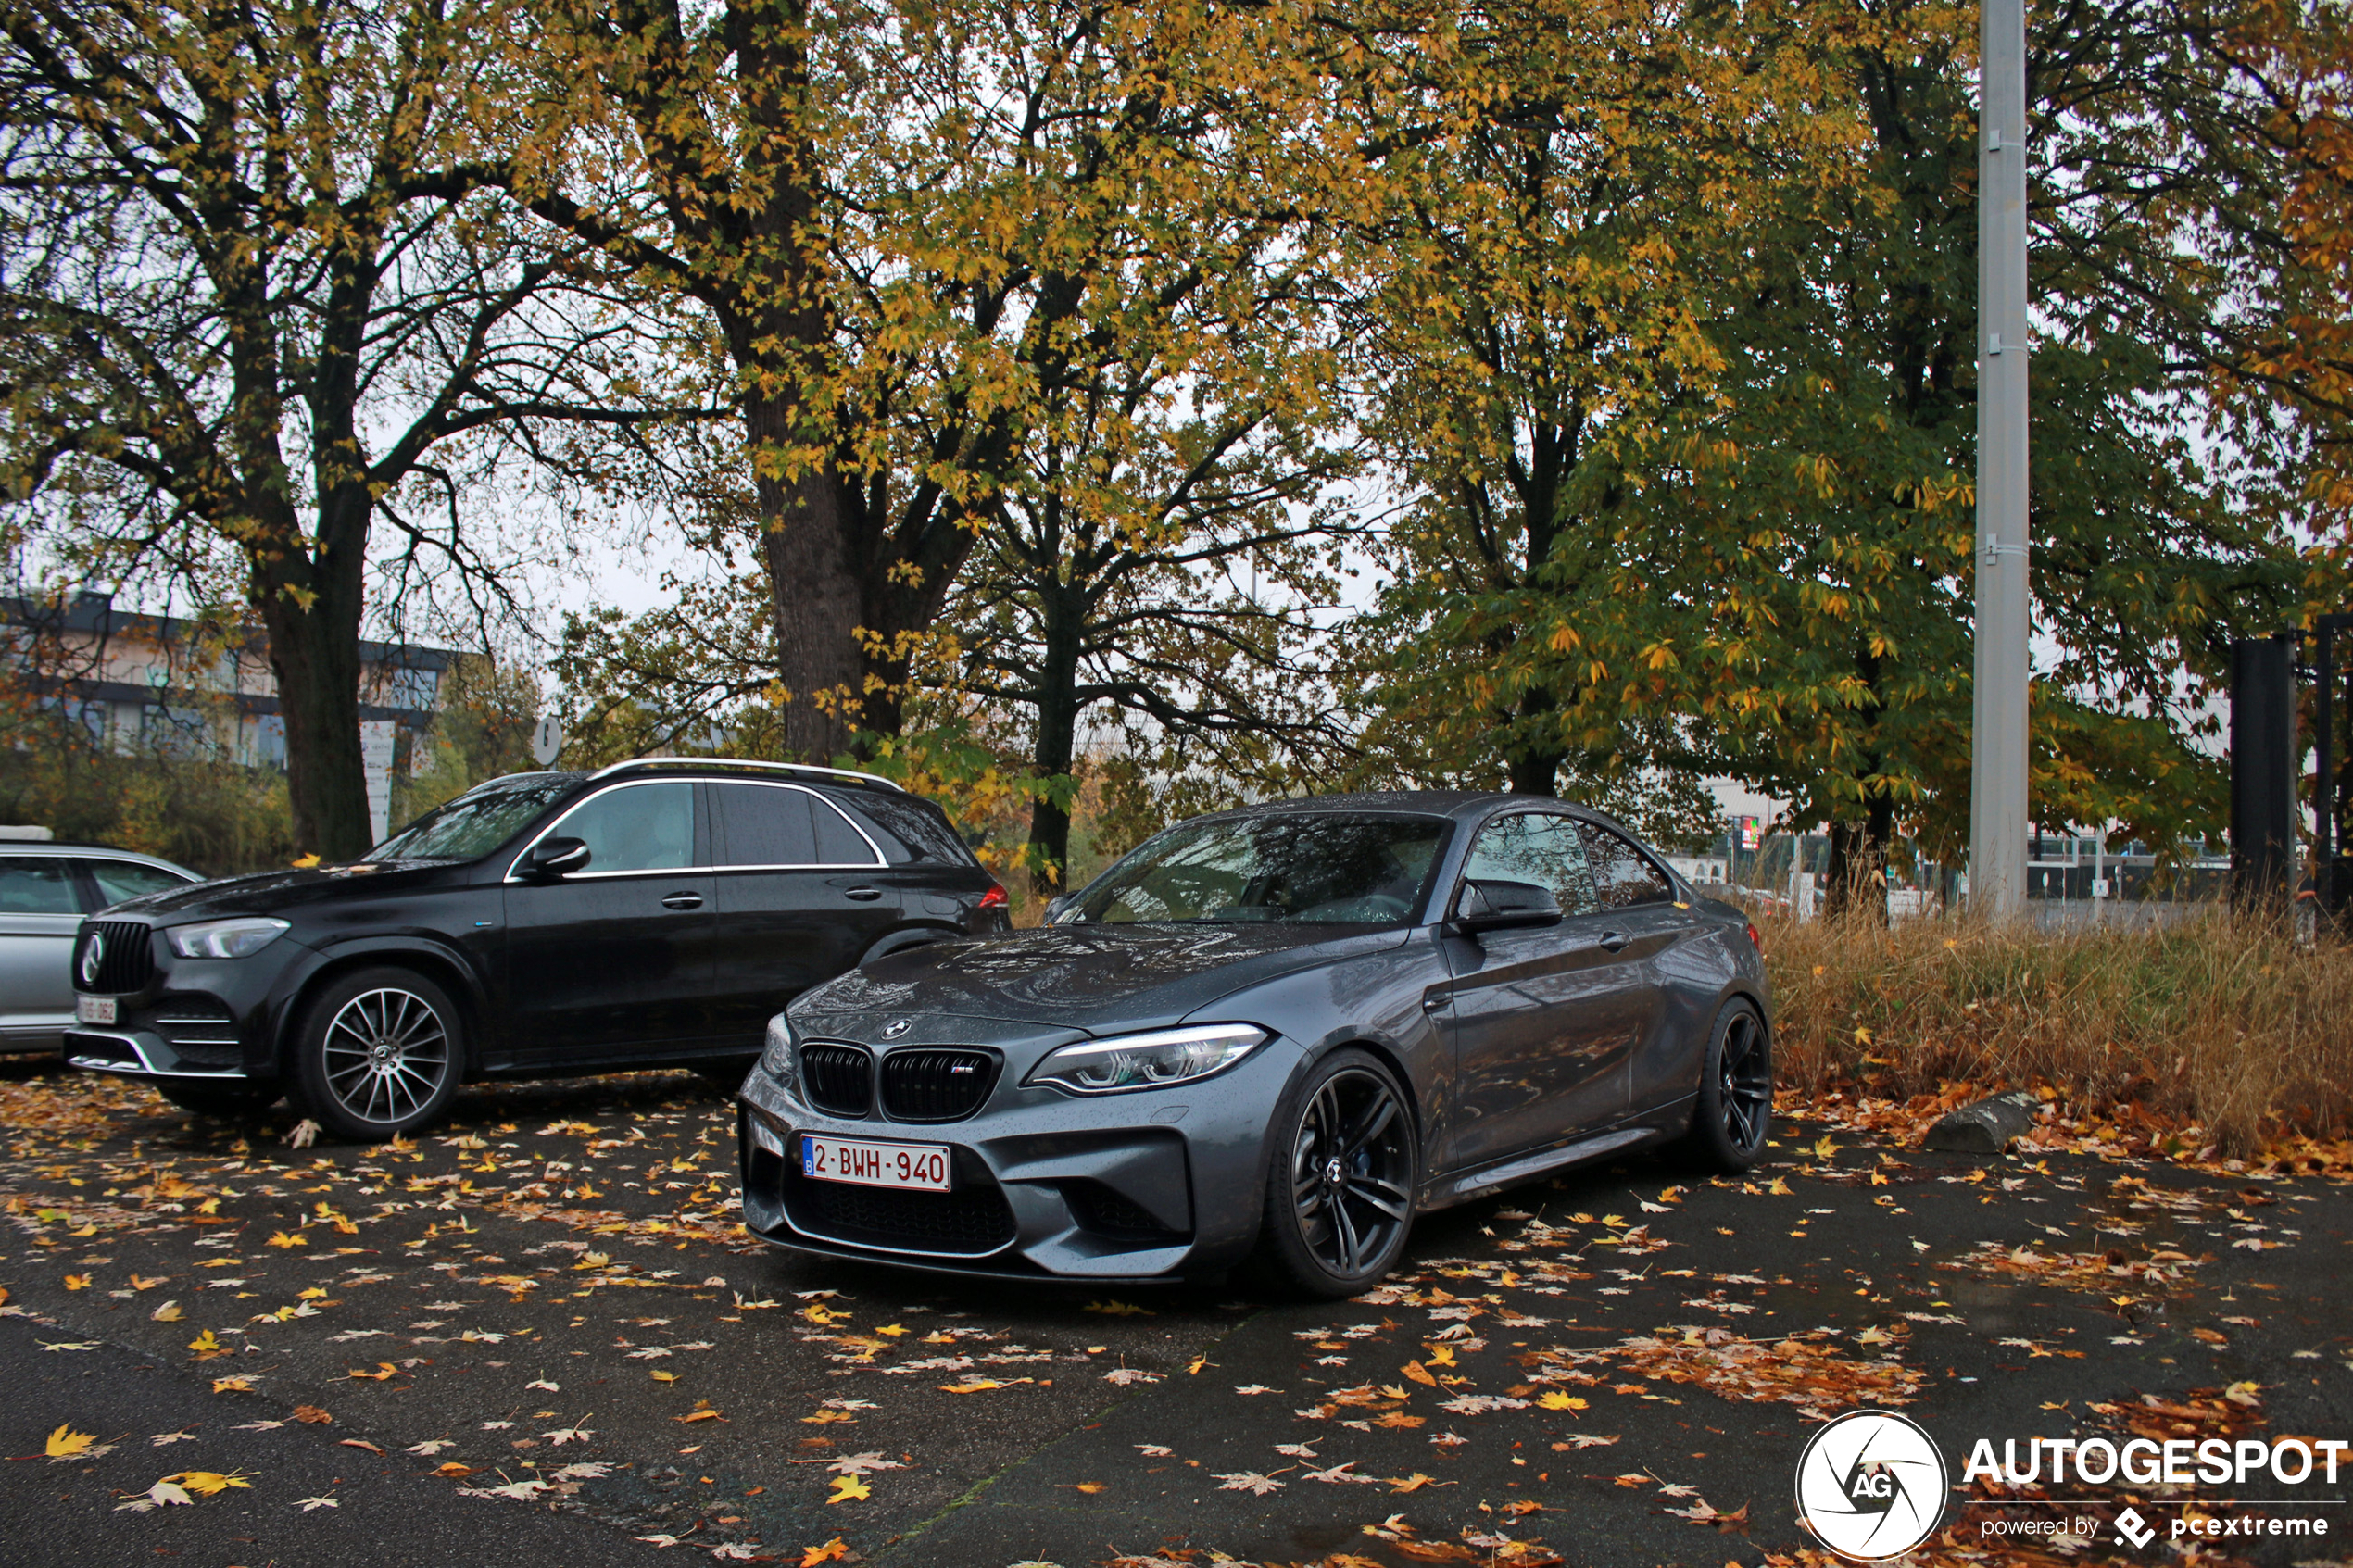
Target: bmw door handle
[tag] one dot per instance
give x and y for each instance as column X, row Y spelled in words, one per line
column 1614, row 940
column 683, row 901
column 862, row 894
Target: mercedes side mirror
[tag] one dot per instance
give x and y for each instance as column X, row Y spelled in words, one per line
column 552, row 857
column 1504, row 906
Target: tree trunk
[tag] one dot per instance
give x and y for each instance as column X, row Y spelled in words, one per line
column 316, row 663
column 1856, row 875
column 814, row 581
column 1537, row 771
column 1057, row 744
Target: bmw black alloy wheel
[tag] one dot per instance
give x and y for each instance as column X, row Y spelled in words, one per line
column 386, row 1054
column 1745, row 1080
column 1351, row 1171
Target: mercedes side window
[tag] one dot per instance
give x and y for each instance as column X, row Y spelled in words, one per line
column 648, row 827
column 1623, row 875
column 36, row 885
column 778, row 826
column 119, row 880
column 1536, row 847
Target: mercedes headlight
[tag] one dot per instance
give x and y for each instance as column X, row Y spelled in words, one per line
column 224, row 939
column 1148, row 1062
column 776, row 1061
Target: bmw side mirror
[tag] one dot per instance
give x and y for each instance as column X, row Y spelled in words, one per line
column 1058, row 906
column 552, row 857
column 1504, row 906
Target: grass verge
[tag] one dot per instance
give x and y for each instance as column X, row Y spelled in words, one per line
column 2213, row 1034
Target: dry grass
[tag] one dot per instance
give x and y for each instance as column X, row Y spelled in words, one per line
column 2225, row 1026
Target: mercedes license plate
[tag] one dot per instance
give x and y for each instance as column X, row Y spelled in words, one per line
column 93, row 1009
column 918, row 1167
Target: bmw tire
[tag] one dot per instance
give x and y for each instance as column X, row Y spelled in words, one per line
column 1341, row 1180
column 1734, row 1108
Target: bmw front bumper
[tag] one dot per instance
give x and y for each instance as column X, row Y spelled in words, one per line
column 1154, row 1185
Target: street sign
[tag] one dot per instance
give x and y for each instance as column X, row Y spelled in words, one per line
column 547, row 739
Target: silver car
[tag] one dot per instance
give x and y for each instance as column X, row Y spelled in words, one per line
column 45, row 889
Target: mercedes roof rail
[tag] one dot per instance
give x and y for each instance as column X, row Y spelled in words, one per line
column 750, row 762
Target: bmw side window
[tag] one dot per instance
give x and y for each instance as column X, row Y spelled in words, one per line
column 1623, row 875
column 119, row 880
column 1538, row 848
column 36, row 887
column 645, row 827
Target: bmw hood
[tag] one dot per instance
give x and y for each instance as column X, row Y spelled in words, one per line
column 1092, row 978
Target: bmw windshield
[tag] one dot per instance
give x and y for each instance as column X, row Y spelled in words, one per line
column 1309, row 869
column 472, row 825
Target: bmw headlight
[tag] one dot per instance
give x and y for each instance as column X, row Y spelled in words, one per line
column 224, row 939
column 776, row 1061
column 1148, row 1062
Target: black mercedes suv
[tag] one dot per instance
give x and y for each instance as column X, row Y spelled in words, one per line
column 655, row 913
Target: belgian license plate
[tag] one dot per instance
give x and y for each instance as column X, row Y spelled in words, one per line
column 93, row 1009
column 919, row 1167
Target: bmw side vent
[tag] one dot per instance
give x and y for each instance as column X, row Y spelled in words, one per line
column 126, row 957
column 936, row 1086
column 839, row 1080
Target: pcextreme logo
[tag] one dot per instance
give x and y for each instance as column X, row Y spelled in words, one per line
column 1871, row 1486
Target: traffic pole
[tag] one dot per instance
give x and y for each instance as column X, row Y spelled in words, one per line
column 1997, row 757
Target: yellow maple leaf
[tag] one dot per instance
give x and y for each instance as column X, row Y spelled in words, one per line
column 312, row 1294
column 665, row 1377
column 168, row 1313
column 894, row 1331
column 833, row 1550
column 305, row 862
column 206, row 1483
column 280, row 1238
column 206, row 1345
column 849, row 1489
column 978, row 1385
column 139, row 1284
column 826, row 1417
column 1441, row 1355
column 1415, row 1482
column 1119, row 1310
column 1557, row 1401
column 77, row 1282
column 1420, row 1374
column 233, row 1384
column 65, row 1442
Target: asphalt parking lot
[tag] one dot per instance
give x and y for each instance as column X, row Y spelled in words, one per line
column 537, row 1334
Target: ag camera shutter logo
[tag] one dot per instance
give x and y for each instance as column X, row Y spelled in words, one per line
column 1871, row 1486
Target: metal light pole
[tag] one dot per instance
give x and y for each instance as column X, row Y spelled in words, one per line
column 1997, row 757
